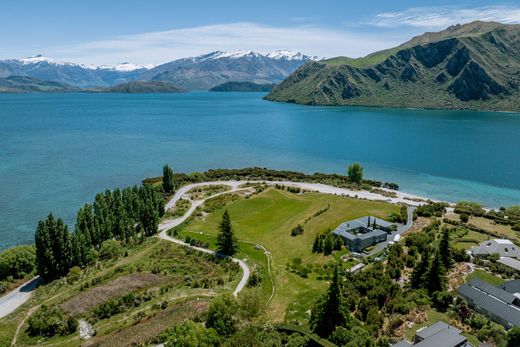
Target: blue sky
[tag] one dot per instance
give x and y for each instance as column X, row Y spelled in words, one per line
column 156, row 31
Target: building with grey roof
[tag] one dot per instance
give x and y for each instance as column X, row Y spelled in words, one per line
column 364, row 232
column 510, row 263
column 438, row 334
column 496, row 303
column 502, row 247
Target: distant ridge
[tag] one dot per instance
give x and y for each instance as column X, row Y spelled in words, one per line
column 242, row 87
column 471, row 66
column 142, row 87
column 24, row 84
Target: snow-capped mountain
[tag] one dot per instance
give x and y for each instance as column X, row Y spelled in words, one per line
column 211, row 69
column 78, row 75
column 201, row 72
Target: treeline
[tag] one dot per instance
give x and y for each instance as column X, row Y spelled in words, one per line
column 128, row 214
column 261, row 174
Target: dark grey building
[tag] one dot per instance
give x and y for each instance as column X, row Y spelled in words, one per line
column 360, row 233
column 500, row 304
column 438, row 334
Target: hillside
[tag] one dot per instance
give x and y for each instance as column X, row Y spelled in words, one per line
column 142, row 87
column 473, row 66
column 22, row 84
column 209, row 70
column 242, row 87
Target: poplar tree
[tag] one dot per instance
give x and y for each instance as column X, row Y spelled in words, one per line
column 226, row 241
column 168, row 184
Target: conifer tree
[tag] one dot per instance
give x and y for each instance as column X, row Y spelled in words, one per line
column 420, row 270
column 328, row 244
column 436, row 278
column 445, row 249
column 226, row 241
column 330, row 311
column 168, row 184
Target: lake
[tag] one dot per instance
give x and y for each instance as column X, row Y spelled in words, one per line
column 58, row 150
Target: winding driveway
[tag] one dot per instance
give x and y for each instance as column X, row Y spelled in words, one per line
column 14, row 299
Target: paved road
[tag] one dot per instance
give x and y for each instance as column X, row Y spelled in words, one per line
column 14, row 299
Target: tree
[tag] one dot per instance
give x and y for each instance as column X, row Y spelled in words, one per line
column 445, row 249
column 328, row 244
column 513, row 337
column 53, row 248
column 436, row 278
column 190, row 334
column 355, row 173
column 330, row 311
column 420, row 270
column 226, row 241
column 168, row 183
column 221, row 315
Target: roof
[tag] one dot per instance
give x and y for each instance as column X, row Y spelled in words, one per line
column 492, row 290
column 501, row 246
column 491, row 304
column 402, row 343
column 510, row 262
column 426, row 332
column 448, row 338
column 511, row 286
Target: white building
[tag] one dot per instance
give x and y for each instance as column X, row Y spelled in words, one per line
column 502, row 247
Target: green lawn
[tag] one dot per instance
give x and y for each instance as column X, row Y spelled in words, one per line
column 269, row 217
column 485, row 276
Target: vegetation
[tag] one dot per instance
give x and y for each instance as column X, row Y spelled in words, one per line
column 460, row 67
column 17, row 262
column 242, row 87
column 122, row 215
column 226, row 241
column 168, row 184
column 355, row 173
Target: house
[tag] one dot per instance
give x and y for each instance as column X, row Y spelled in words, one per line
column 500, row 304
column 502, row 247
column 510, row 263
column 438, row 334
column 364, row 232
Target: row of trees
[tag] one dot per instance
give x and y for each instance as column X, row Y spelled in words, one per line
column 127, row 214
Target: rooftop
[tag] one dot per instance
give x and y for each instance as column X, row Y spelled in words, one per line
column 510, row 262
column 348, row 229
column 427, row 332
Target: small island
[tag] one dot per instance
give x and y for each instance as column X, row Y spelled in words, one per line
column 141, row 87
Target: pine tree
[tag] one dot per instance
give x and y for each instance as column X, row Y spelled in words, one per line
column 436, row 278
column 445, row 249
column 226, row 241
column 330, row 311
column 328, row 244
column 420, row 270
column 168, row 184
column 316, row 244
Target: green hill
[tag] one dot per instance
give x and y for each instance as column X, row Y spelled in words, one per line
column 242, row 87
column 142, row 87
column 474, row 66
column 24, row 84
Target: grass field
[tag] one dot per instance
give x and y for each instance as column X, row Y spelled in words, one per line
column 268, row 219
column 485, row 276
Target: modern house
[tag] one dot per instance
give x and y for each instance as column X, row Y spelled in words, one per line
column 500, row 304
column 502, row 247
column 510, row 263
column 438, row 334
column 364, row 232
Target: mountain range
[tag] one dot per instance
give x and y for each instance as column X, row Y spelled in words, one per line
column 202, row 72
column 474, row 66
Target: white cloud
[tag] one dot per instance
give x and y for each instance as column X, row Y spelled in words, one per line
column 444, row 16
column 163, row 46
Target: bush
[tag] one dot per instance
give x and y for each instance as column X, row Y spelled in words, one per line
column 464, row 217
column 17, row 262
column 297, row 230
column 110, row 249
column 436, row 209
column 48, row 322
column 74, row 275
column 470, row 208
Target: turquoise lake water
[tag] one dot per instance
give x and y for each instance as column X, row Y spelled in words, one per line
column 58, row 150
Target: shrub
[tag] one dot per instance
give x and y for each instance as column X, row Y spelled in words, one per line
column 17, row 262
column 74, row 275
column 297, row 230
column 48, row 322
column 110, row 249
column 464, row 217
